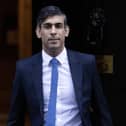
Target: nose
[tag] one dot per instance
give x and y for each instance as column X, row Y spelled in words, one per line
column 53, row 30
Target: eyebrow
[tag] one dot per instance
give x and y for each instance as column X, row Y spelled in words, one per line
column 52, row 23
column 49, row 25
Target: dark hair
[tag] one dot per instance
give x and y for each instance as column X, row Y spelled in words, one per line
column 49, row 11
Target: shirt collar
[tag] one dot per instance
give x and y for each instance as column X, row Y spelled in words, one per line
column 62, row 57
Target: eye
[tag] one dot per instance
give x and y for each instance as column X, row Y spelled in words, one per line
column 56, row 25
column 47, row 26
column 59, row 25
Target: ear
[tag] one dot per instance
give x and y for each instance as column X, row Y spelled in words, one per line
column 38, row 32
column 67, row 30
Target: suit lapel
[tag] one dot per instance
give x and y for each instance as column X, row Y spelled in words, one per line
column 76, row 72
column 37, row 80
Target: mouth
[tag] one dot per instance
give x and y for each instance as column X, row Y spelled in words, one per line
column 53, row 39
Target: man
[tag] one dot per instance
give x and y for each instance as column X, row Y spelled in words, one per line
column 78, row 82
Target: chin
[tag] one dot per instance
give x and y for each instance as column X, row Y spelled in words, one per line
column 54, row 46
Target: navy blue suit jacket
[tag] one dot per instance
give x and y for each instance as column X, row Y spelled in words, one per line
column 27, row 90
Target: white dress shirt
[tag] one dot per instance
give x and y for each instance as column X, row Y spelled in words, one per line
column 67, row 113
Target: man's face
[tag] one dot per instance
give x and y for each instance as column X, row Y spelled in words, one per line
column 52, row 33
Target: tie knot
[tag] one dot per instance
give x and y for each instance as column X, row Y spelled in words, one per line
column 54, row 61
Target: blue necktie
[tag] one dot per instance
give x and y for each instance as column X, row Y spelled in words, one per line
column 51, row 114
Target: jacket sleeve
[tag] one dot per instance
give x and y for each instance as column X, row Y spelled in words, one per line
column 17, row 106
column 100, row 106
